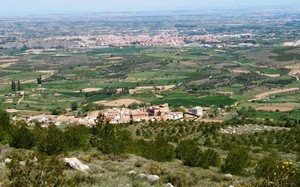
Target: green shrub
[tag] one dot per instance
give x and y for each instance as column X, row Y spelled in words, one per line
column 273, row 171
column 191, row 155
column 237, row 161
column 54, row 142
column 37, row 170
column 22, row 138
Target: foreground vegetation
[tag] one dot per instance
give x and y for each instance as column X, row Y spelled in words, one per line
column 260, row 158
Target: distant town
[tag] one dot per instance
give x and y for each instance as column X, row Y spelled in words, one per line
column 181, row 29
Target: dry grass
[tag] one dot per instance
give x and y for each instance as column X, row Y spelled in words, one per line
column 112, row 171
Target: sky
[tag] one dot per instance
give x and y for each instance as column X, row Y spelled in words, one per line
column 12, row 7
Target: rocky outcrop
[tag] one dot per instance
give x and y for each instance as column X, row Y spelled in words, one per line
column 76, row 164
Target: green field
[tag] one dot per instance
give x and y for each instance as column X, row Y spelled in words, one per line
column 201, row 77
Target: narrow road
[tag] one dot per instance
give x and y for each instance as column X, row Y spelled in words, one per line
column 272, row 92
column 20, row 100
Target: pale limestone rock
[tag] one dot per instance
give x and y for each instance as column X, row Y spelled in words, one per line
column 132, row 172
column 76, row 164
column 153, row 178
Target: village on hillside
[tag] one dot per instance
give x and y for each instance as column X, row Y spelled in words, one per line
column 116, row 116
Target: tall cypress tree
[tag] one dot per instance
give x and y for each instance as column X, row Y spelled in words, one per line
column 13, row 85
column 19, row 88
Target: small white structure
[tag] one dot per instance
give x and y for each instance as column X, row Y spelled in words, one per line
column 198, row 111
column 174, row 115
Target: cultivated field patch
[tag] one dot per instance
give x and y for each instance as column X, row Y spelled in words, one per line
column 119, row 102
column 86, row 90
column 143, row 88
column 240, row 71
column 274, row 108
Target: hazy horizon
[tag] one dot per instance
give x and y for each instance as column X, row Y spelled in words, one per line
column 18, row 7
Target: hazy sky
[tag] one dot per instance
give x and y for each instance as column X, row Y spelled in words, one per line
column 59, row 6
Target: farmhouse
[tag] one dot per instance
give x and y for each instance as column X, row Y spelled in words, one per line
column 198, row 111
column 174, row 115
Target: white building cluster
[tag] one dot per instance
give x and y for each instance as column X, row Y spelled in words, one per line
column 114, row 115
column 152, row 113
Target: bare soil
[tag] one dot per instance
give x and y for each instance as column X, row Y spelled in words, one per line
column 118, row 103
column 240, row 71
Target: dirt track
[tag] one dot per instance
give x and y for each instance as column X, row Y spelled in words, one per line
column 295, row 70
column 272, row 92
column 49, row 72
column 8, row 62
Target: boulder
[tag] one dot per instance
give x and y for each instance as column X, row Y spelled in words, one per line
column 228, row 176
column 22, row 163
column 169, row 185
column 153, row 178
column 7, row 160
column 76, row 164
column 142, row 175
column 132, row 172
column 35, row 159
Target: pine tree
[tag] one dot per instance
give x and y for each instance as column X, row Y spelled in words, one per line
column 54, row 143
column 22, row 138
column 5, row 126
column 237, row 161
column 39, row 80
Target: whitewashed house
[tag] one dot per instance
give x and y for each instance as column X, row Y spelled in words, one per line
column 198, row 111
